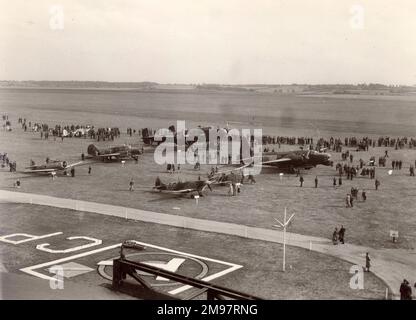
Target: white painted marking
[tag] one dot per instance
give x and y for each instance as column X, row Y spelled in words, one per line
column 29, row 237
column 233, row 266
column 71, row 269
column 209, row 278
column 172, row 266
column 30, row 270
column 95, row 242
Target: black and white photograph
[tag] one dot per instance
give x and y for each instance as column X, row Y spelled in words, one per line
column 207, row 150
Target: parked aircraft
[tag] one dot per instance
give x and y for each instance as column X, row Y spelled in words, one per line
column 122, row 152
column 52, row 167
column 291, row 160
column 180, row 188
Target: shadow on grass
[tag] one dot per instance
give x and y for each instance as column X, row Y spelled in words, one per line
column 138, row 291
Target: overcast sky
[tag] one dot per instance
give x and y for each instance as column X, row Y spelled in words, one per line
column 210, row 41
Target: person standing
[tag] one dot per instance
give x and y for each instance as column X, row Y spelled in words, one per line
column 233, row 179
column 367, row 262
column 377, row 184
column 335, row 237
column 89, row 169
column 335, row 182
column 72, row 172
column 316, row 182
column 301, row 181
column 403, row 290
column 408, row 291
column 364, row 195
column 131, row 185
column 341, row 234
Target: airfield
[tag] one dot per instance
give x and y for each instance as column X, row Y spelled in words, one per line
column 318, row 211
column 311, row 275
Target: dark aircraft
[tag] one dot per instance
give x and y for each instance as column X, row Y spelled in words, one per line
column 291, row 160
column 180, row 188
column 149, row 138
column 123, row 152
column 51, row 167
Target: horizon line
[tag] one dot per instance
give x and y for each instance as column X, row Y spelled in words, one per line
column 223, row 84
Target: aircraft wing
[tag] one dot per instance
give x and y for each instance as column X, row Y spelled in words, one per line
column 277, row 160
column 177, row 191
column 235, row 169
column 40, row 170
column 108, row 154
column 221, row 182
column 73, row 165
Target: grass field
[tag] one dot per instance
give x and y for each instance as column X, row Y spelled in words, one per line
column 323, row 115
column 309, row 275
column 318, row 211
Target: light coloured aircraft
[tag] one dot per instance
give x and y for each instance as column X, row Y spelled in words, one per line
column 52, row 167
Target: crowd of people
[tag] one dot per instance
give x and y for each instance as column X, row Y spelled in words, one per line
column 335, row 144
column 69, row 131
column 6, row 162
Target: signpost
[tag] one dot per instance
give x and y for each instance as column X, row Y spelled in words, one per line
column 284, row 225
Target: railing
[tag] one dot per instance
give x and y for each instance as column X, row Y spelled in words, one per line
column 123, row 267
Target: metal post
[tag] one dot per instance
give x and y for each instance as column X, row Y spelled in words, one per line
column 284, row 242
column 284, row 225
